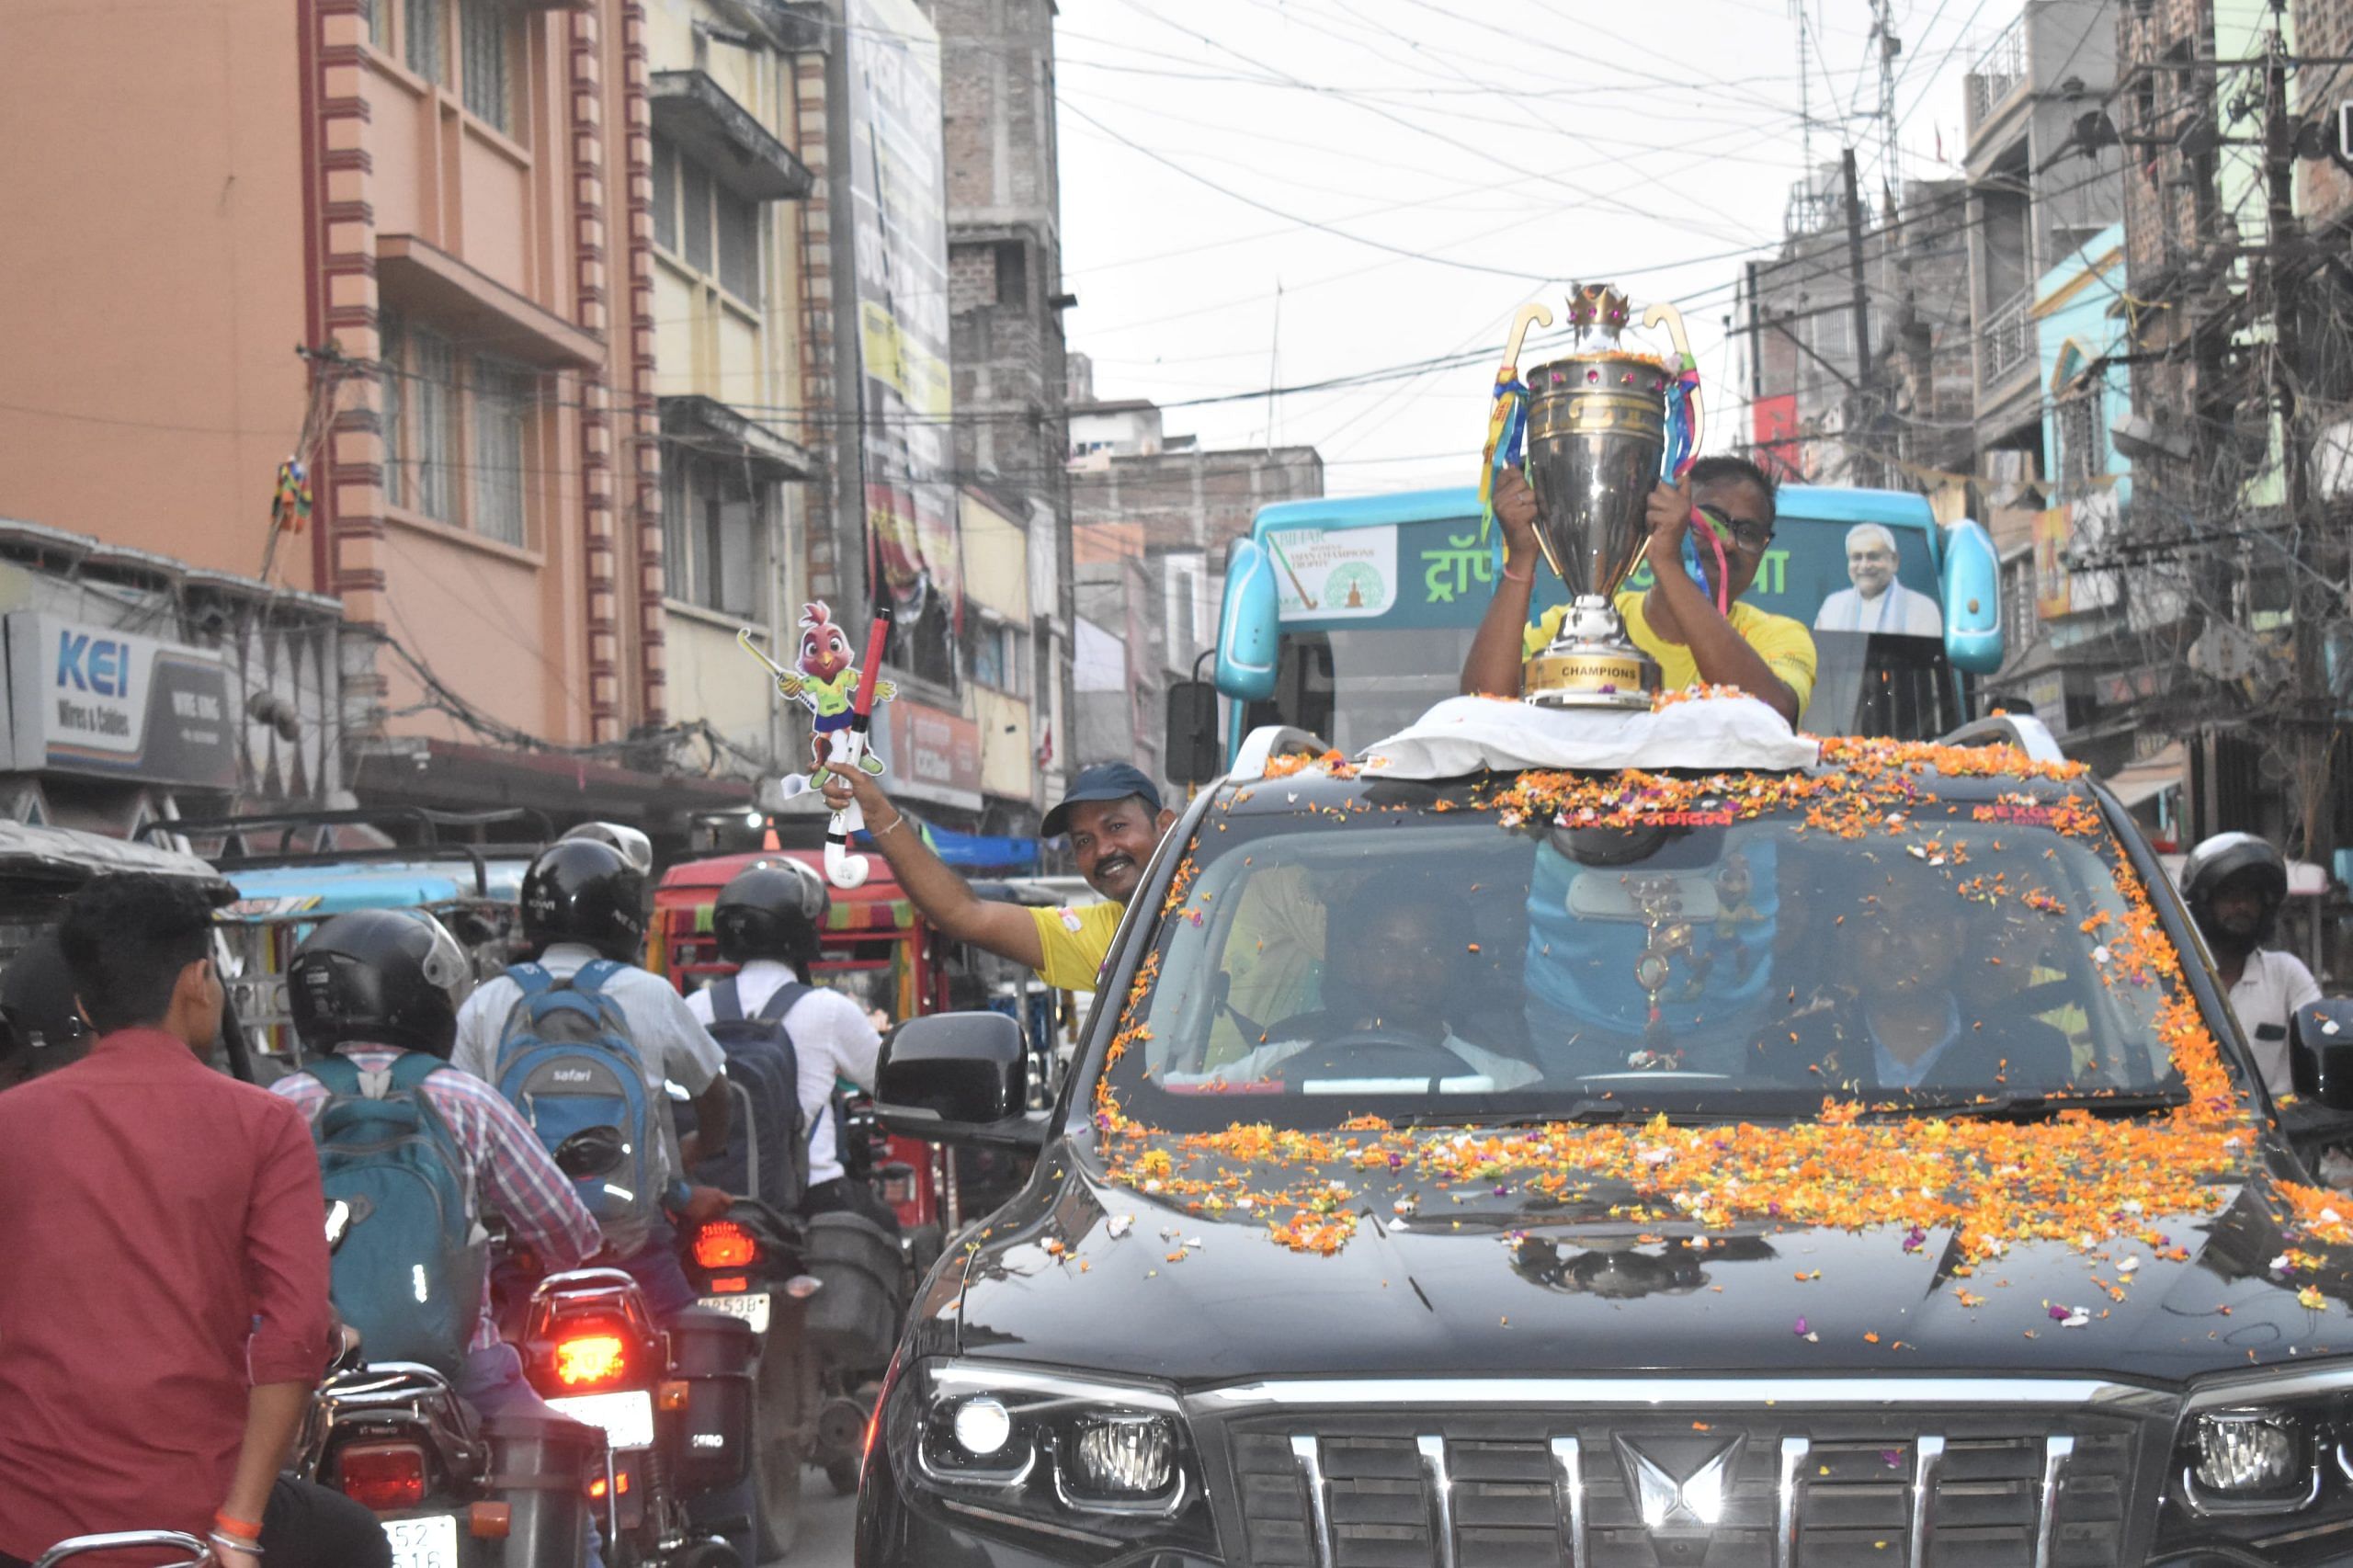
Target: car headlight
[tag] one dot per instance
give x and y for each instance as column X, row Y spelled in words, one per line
column 1075, row 1457
column 2264, row 1462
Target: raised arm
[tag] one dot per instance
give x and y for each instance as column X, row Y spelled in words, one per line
column 1679, row 610
column 1499, row 650
column 945, row 900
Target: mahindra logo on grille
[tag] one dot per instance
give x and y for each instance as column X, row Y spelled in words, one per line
column 1679, row 1484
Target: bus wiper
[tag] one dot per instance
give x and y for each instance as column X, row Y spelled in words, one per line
column 2021, row 1107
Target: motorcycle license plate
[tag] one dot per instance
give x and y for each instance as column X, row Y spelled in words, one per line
column 752, row 1308
column 627, row 1418
column 423, row 1543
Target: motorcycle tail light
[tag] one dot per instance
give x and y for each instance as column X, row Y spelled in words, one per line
column 731, row 1285
column 383, row 1476
column 597, row 1486
column 490, row 1521
column 587, row 1360
column 723, row 1243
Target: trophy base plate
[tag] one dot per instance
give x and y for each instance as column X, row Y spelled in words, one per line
column 1588, row 676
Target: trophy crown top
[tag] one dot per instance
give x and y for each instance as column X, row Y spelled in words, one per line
column 1598, row 306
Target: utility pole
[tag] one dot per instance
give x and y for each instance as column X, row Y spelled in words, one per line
column 1756, row 351
column 2282, row 290
column 1863, row 423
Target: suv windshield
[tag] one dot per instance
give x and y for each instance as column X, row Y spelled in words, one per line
column 1565, row 946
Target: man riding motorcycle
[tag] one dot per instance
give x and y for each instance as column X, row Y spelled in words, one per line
column 375, row 986
column 583, row 912
column 2234, row 884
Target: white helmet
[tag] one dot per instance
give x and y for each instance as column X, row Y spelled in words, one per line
column 633, row 846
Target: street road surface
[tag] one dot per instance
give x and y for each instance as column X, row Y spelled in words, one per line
column 828, row 1523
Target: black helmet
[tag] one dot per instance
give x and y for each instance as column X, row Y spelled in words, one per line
column 379, row 977
column 772, row 909
column 2225, row 857
column 582, row 890
column 43, row 1025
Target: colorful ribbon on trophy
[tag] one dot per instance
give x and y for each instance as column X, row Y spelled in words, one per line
column 1506, row 441
column 1682, row 451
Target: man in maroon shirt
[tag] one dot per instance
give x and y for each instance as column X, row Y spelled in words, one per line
column 164, row 1311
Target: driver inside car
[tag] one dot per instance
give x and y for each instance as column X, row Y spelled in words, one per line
column 1393, row 998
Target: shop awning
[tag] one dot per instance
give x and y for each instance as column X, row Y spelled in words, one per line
column 2147, row 779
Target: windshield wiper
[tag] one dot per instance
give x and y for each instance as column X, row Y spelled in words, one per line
column 2023, row 1106
column 1588, row 1112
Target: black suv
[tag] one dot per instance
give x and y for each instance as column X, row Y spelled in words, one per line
column 1847, row 1164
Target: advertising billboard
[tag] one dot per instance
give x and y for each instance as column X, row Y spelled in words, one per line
column 898, row 227
column 91, row 699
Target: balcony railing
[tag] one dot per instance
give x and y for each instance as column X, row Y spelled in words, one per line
column 1998, row 72
column 2005, row 342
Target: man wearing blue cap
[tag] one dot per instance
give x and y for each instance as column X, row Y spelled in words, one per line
column 1115, row 820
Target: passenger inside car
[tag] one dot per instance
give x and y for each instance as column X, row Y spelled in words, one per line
column 1906, row 1025
column 1393, row 1003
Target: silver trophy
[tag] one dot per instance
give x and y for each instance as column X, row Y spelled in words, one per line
column 1597, row 441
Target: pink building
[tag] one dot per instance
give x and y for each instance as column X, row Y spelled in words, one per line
column 411, row 239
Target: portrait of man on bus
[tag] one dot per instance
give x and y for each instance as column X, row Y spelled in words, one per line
column 1878, row 602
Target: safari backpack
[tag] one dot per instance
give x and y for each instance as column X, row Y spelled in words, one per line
column 408, row 1273
column 566, row 1062
column 768, row 1152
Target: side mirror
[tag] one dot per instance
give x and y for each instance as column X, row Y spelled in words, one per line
column 1973, row 607
column 957, row 1078
column 592, row 1152
column 1191, row 753
column 1249, row 624
column 2320, row 1053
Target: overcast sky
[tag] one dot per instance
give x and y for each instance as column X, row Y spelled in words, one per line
column 1213, row 149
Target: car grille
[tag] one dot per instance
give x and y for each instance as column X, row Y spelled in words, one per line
column 1815, row 1489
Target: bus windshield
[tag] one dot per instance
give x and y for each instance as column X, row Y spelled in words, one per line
column 1376, row 620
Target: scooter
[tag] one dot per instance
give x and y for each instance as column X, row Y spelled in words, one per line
column 452, row 1491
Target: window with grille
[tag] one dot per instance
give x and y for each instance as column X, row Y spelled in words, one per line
column 1001, row 658
column 713, row 534
column 392, row 393
column 666, row 196
column 503, row 396
column 373, row 10
column 694, row 188
column 433, row 443
column 2022, row 612
column 739, row 246
column 422, row 27
column 2083, row 445
column 481, row 36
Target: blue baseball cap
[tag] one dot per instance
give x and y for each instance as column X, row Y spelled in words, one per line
column 1103, row 781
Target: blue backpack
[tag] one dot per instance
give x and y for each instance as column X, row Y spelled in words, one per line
column 409, row 1273
column 566, row 1062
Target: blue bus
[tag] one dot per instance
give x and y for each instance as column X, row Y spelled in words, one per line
column 1348, row 617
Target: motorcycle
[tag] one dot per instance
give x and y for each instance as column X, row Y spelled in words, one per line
column 749, row 1264
column 676, row 1404
column 451, row 1490
column 828, row 1292
column 200, row 1555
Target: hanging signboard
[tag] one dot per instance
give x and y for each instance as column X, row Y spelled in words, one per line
column 90, row 700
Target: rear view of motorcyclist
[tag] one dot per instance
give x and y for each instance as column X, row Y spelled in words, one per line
column 376, row 987
column 42, row 1029
column 583, row 905
column 767, row 921
column 2234, row 884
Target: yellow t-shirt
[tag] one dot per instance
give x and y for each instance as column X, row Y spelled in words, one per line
column 1075, row 939
column 1785, row 645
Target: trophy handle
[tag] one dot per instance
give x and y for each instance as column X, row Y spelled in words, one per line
column 1674, row 320
column 1529, row 313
